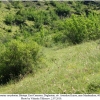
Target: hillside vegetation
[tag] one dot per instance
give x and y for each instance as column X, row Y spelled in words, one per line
column 49, row 47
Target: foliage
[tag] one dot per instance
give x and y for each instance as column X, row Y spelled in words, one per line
column 27, row 13
column 9, row 19
column 81, row 28
column 8, row 6
column 53, row 15
column 17, row 4
column 62, row 10
column 19, row 19
column 17, row 59
column 39, row 17
column 58, row 26
column 60, row 37
column 79, row 8
column 73, row 28
column 53, row 3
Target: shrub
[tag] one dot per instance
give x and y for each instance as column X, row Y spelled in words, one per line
column 44, row 17
column 8, row 6
column 58, row 25
column 17, row 4
column 17, row 59
column 9, row 19
column 76, row 30
column 53, row 15
column 81, row 28
column 59, row 37
column 19, row 19
column 30, row 14
column 62, row 10
column 79, row 8
column 53, row 3
column 26, row 13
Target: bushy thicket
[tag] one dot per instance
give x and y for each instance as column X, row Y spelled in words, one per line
column 82, row 28
column 9, row 19
column 16, row 4
column 17, row 59
column 58, row 22
column 63, row 10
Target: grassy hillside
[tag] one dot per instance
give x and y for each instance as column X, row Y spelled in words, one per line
column 75, row 69
column 50, row 47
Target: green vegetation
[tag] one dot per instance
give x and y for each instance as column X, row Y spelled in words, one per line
column 75, row 69
column 17, row 59
column 9, row 19
column 80, row 28
column 52, row 43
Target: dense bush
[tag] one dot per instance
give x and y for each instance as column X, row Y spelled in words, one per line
column 53, row 15
column 81, row 28
column 21, row 16
column 53, row 3
column 8, row 6
column 27, row 13
column 75, row 28
column 19, row 19
column 62, row 10
column 60, row 37
column 17, row 4
column 9, row 19
column 58, row 26
column 18, row 58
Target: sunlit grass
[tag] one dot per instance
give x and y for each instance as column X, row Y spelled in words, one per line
column 69, row 70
